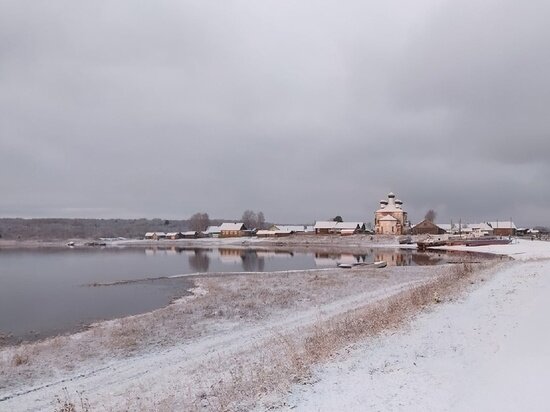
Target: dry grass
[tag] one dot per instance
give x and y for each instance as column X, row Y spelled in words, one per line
column 288, row 358
column 20, row 359
column 65, row 403
column 243, row 378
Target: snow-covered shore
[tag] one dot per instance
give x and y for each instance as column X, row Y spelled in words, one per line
column 489, row 351
column 242, row 334
column 167, row 359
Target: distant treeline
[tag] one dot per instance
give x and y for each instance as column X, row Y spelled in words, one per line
column 59, row 229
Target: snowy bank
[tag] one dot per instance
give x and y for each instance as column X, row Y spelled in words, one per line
column 519, row 249
column 490, row 351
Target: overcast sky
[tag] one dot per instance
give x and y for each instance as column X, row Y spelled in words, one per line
column 301, row 109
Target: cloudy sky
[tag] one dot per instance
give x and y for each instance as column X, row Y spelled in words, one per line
column 301, row 109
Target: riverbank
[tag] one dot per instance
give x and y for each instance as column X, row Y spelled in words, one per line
column 238, row 339
column 488, row 351
column 335, row 242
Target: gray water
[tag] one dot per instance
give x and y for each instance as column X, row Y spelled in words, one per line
column 44, row 292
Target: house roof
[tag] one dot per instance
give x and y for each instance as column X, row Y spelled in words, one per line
column 348, row 225
column 323, row 224
column 155, row 233
column 502, row 225
column 232, row 226
column 212, row 229
column 290, row 228
column 263, row 232
column 429, row 222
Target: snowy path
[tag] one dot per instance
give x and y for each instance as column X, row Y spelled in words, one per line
column 159, row 372
column 488, row 352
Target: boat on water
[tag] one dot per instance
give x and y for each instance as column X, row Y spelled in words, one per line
column 378, row 264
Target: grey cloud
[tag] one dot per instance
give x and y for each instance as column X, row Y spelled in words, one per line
column 303, row 110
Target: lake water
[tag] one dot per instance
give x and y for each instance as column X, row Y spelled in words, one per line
column 44, row 292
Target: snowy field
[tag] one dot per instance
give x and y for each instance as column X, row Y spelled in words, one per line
column 487, row 352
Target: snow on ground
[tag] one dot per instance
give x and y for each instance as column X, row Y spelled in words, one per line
column 490, row 351
column 160, row 370
column 519, row 249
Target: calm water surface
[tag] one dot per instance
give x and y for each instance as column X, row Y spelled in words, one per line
column 44, row 292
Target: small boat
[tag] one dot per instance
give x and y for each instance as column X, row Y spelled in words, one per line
column 405, row 240
column 423, row 245
column 70, row 244
column 379, row 264
column 479, row 241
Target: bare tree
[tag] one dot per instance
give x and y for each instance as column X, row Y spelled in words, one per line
column 260, row 220
column 249, row 219
column 253, row 220
column 430, row 215
column 199, row 222
column 338, row 219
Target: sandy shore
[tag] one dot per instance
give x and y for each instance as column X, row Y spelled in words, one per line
column 488, row 351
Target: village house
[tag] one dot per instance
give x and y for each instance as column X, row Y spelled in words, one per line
column 427, row 227
column 232, row 229
column 349, row 228
column 503, row 228
column 212, row 231
column 155, row 235
column 391, row 219
column 288, row 228
column 340, row 228
column 190, row 234
column 174, row 235
column 468, row 229
column 324, row 227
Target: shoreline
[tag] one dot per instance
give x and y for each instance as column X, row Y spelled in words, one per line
column 229, row 319
column 242, row 309
column 35, row 334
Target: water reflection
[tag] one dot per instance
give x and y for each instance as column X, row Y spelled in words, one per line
column 252, row 260
column 199, row 261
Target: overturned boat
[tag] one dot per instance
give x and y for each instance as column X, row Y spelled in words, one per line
column 378, row 264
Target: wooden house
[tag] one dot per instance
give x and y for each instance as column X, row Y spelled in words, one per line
column 324, row 227
column 233, row 229
column 174, row 235
column 155, row 235
column 427, row 227
column 503, row 228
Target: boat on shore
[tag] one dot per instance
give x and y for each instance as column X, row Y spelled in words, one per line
column 472, row 241
column 479, row 241
column 405, row 240
column 429, row 243
column 378, row 264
